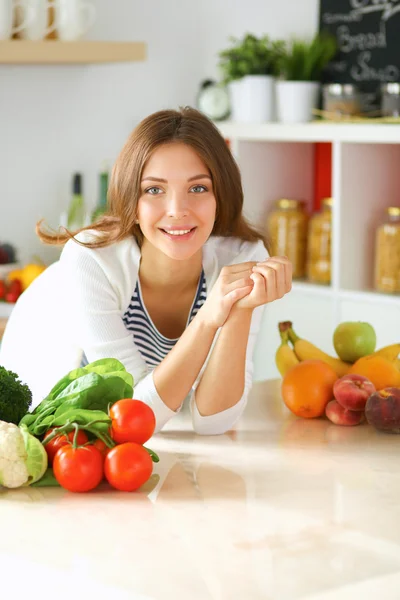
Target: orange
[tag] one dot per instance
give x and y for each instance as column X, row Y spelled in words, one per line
column 379, row 370
column 308, row 387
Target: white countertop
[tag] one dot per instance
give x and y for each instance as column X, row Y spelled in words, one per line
column 280, row 509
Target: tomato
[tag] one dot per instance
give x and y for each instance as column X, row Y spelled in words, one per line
column 100, row 445
column 132, row 421
column 78, row 469
column 128, row 466
column 62, row 440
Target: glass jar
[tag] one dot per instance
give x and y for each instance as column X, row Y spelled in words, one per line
column 319, row 244
column 287, row 231
column 341, row 99
column 387, row 253
column 390, row 100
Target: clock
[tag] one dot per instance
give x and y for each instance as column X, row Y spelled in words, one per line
column 213, row 100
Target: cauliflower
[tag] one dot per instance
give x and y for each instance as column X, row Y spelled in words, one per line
column 23, row 458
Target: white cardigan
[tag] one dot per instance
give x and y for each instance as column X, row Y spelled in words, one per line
column 77, row 306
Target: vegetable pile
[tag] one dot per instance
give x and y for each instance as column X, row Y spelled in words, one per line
column 15, row 397
column 86, row 429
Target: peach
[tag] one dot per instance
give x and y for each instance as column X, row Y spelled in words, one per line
column 352, row 391
column 343, row 416
column 383, row 409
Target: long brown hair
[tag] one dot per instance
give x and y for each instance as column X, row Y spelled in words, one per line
column 188, row 126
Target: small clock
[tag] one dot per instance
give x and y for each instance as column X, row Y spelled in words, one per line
column 213, row 100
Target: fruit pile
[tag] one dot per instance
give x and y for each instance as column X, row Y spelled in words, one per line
column 358, row 384
column 18, row 281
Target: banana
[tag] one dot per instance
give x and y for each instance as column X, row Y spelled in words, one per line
column 285, row 358
column 305, row 350
column 390, row 352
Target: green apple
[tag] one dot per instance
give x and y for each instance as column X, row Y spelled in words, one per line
column 354, row 339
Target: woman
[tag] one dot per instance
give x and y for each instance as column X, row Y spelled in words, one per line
column 172, row 281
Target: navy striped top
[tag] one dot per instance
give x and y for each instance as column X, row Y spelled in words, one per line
column 152, row 345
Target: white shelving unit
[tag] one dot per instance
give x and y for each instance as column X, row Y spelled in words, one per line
column 277, row 161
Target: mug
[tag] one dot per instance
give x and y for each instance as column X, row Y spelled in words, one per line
column 7, row 8
column 38, row 27
column 73, row 18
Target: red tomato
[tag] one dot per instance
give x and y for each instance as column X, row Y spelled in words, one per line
column 78, row 469
column 62, row 440
column 132, row 421
column 100, row 445
column 128, row 466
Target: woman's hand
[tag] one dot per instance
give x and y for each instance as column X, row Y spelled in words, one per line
column 272, row 280
column 234, row 282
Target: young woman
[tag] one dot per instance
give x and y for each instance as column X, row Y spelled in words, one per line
column 172, row 281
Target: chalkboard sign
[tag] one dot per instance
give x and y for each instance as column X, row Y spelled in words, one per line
column 368, row 36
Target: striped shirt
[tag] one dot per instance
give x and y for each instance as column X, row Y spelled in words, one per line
column 152, row 345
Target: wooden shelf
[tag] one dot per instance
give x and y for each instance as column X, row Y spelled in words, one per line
column 55, row 52
column 317, row 131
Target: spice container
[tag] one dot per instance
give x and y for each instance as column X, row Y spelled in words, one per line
column 387, row 253
column 319, row 244
column 390, row 100
column 287, row 227
column 341, row 99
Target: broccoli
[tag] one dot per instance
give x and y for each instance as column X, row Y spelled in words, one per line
column 15, row 397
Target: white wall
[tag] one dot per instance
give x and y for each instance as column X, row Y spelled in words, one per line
column 56, row 120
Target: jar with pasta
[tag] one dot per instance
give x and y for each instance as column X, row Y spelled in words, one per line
column 387, row 253
column 319, row 244
column 287, row 226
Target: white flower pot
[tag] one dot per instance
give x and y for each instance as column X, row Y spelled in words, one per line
column 296, row 100
column 252, row 99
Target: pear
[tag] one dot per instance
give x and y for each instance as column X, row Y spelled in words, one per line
column 353, row 340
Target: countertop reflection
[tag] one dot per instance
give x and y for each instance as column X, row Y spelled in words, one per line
column 280, row 508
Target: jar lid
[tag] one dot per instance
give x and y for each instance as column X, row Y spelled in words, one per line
column 391, row 88
column 394, row 211
column 341, row 89
column 289, row 203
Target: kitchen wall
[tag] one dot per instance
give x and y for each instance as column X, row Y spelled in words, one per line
column 56, row 120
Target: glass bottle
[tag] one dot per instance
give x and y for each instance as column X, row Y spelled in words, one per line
column 101, row 206
column 319, row 244
column 387, row 253
column 287, row 226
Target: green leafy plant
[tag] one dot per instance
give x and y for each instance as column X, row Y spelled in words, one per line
column 250, row 55
column 305, row 61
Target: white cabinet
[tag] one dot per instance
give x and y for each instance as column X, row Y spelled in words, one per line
column 277, row 161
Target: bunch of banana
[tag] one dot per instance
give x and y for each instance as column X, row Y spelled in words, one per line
column 285, row 357
column 390, row 352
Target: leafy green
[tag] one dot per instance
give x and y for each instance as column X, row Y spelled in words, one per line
column 15, row 397
column 305, row 60
column 36, row 462
column 250, row 56
column 91, row 388
column 48, row 480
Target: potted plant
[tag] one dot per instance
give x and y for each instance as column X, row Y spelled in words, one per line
column 249, row 68
column 300, row 68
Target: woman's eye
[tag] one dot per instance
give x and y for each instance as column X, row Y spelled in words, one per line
column 153, row 191
column 199, row 188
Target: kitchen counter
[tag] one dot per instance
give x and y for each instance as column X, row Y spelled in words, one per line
column 279, row 509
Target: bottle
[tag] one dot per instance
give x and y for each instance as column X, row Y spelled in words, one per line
column 319, row 244
column 287, row 231
column 387, row 253
column 101, row 206
column 76, row 216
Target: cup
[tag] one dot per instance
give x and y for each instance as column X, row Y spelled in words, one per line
column 73, row 18
column 38, row 27
column 7, row 8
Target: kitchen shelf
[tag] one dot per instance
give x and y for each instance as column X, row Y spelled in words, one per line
column 317, row 131
column 279, row 161
column 56, row 52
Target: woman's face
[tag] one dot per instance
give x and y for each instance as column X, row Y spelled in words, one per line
column 176, row 209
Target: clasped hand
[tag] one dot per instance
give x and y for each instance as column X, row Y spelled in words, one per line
column 246, row 286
